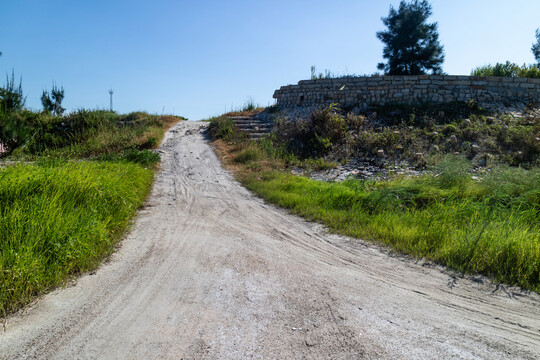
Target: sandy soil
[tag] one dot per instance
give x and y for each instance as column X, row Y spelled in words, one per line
column 211, row 272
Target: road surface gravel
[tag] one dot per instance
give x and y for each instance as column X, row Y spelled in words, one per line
column 211, row 272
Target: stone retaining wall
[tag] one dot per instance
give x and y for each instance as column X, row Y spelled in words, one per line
column 364, row 91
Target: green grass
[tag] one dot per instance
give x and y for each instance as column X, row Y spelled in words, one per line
column 58, row 219
column 487, row 224
column 489, row 227
column 64, row 214
column 81, row 135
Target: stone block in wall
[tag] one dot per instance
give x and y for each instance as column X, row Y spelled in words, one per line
column 462, row 78
column 374, row 79
column 439, row 82
column 494, row 79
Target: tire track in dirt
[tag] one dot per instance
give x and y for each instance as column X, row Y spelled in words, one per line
column 209, row 271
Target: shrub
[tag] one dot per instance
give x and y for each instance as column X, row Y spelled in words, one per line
column 316, row 137
column 224, row 128
column 507, row 69
column 11, row 96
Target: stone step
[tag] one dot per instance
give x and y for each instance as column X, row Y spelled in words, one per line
column 256, row 136
column 254, row 127
column 251, row 121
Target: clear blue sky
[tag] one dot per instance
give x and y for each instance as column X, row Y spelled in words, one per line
column 199, row 58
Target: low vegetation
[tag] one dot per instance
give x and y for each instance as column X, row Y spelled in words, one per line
column 508, row 69
column 58, row 219
column 80, row 135
column 484, row 222
column 69, row 187
column 416, row 134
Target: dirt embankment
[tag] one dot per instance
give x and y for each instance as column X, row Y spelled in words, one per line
column 209, row 271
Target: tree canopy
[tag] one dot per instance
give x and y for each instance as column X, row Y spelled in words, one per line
column 52, row 103
column 11, row 96
column 411, row 44
column 536, row 48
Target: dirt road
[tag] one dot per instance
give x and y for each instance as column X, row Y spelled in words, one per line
column 211, row 272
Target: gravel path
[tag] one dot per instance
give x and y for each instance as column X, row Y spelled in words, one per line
column 209, row 271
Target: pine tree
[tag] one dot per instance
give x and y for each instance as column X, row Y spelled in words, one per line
column 11, row 96
column 53, row 103
column 411, row 45
column 536, row 48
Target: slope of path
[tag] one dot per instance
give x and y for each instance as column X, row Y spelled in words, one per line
column 209, row 271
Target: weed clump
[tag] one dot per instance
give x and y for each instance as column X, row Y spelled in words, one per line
column 247, row 155
column 224, row 128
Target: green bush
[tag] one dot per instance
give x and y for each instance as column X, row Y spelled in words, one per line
column 11, row 96
column 328, row 128
column 316, row 137
column 225, row 128
column 507, row 69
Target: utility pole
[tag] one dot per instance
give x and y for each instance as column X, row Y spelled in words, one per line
column 110, row 93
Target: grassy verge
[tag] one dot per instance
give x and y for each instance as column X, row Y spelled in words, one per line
column 81, row 135
column 487, row 225
column 57, row 220
column 65, row 212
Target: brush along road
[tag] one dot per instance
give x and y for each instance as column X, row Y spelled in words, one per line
column 209, row 271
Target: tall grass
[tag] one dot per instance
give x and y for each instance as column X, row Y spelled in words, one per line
column 58, row 219
column 488, row 225
column 82, row 134
column 491, row 227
